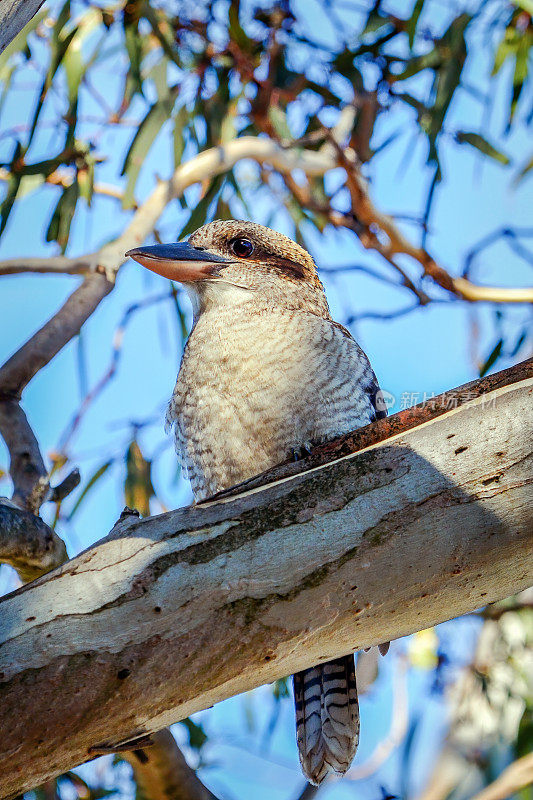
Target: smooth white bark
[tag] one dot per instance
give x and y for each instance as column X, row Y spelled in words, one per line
column 173, row 613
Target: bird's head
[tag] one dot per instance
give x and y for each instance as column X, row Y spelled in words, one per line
column 232, row 261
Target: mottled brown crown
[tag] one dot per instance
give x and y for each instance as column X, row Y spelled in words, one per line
column 271, row 248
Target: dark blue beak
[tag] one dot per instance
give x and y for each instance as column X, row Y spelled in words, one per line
column 179, row 261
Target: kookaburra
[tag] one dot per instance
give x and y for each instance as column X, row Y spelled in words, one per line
column 266, row 375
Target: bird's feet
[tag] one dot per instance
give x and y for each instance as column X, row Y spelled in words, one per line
column 301, row 452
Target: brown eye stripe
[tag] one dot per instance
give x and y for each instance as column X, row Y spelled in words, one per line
column 291, row 268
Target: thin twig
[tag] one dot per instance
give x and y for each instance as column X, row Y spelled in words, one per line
column 118, row 337
column 375, row 220
column 45, row 265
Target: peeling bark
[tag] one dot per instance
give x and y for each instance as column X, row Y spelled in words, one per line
column 170, row 614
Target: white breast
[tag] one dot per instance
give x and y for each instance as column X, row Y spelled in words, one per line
column 253, row 387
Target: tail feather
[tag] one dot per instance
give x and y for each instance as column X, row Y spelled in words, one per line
column 327, row 717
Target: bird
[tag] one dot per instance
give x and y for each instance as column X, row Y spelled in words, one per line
column 266, row 375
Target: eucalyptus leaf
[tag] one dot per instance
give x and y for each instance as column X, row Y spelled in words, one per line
column 62, row 216
column 491, row 358
column 143, row 140
column 528, row 166
column 199, row 214
column 484, row 146
column 93, row 480
column 279, row 122
column 413, row 21
column 138, row 487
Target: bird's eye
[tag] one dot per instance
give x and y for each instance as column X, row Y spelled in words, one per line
column 243, row 248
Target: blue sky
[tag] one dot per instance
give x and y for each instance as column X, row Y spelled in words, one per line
column 426, row 351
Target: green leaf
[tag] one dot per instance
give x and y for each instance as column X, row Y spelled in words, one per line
column 413, row 21
column 525, row 5
column 20, row 42
column 413, row 66
column 524, row 740
column 93, row 480
column 138, row 487
column 518, row 344
column 278, row 118
column 197, row 735
column 236, row 31
column 223, row 210
column 72, row 61
column 159, row 75
column 375, row 21
column 163, row 31
column 86, row 180
column 199, row 213
column 452, row 47
column 521, row 70
column 480, row 143
column 523, row 172
column 143, row 140
column 29, row 184
column 59, row 227
column 492, row 358
column 134, row 47
column 13, row 185
column 228, row 130
column 59, row 43
column 505, row 49
column 178, row 134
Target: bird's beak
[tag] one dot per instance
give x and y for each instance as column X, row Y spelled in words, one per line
column 180, row 262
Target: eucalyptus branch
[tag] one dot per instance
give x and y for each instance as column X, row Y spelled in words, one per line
column 163, row 599
column 161, row 771
column 516, row 776
column 26, row 542
column 48, row 265
column 26, row 467
column 65, row 178
column 396, row 243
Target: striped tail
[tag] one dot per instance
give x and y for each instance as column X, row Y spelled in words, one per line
column 327, row 718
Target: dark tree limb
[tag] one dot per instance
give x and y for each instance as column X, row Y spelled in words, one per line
column 26, row 465
column 27, row 543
